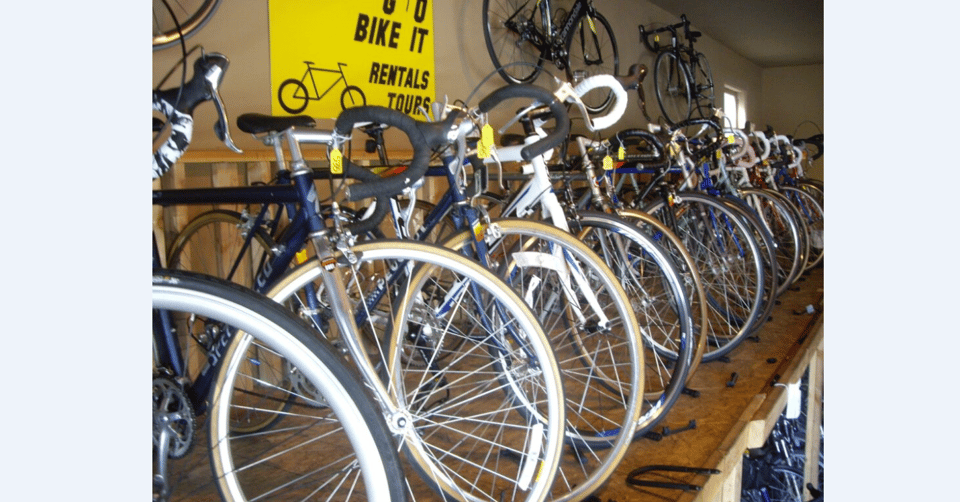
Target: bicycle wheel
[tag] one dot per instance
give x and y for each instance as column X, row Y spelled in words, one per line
column 729, row 261
column 594, row 335
column 592, row 50
column 703, row 85
column 810, row 211
column 784, row 484
column 190, row 14
column 768, row 250
column 781, row 222
column 813, row 187
column 476, row 387
column 215, row 243
column 658, row 299
column 512, row 31
column 293, row 96
column 689, row 274
column 671, row 81
column 339, row 447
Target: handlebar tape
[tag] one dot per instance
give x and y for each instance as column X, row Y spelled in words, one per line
column 619, row 139
column 712, row 147
column 619, row 98
column 556, row 137
column 181, row 130
column 394, row 184
column 178, row 104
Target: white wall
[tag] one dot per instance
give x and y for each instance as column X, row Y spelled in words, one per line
column 239, row 30
column 793, row 103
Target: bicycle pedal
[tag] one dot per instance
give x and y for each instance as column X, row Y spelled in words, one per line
column 653, row 435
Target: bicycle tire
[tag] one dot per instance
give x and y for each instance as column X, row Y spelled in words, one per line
column 435, row 443
column 780, row 221
column 768, row 250
column 211, row 244
column 672, row 81
column 688, row 271
column 600, row 366
column 443, row 230
column 298, row 90
column 520, row 64
column 814, row 187
column 361, row 444
column 658, row 299
column 729, row 262
column 190, row 18
column 784, row 484
column 810, row 211
column 579, row 52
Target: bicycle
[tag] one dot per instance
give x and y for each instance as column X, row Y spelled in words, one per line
column 254, row 329
column 681, row 75
column 643, row 267
column 773, row 209
column 241, row 328
column 294, row 95
column 168, row 29
column 583, row 306
column 579, row 42
column 514, row 412
column 776, row 471
column 734, row 269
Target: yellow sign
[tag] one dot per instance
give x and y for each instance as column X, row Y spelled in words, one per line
column 329, row 55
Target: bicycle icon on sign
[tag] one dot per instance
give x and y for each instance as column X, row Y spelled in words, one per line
column 294, row 95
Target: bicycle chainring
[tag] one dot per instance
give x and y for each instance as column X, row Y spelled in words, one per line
column 173, row 417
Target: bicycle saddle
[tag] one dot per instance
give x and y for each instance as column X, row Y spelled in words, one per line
column 255, row 123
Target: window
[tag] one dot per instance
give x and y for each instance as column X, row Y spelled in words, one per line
column 733, row 107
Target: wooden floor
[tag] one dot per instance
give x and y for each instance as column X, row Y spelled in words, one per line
column 724, row 415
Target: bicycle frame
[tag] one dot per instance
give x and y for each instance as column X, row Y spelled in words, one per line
column 306, row 225
column 168, row 353
column 550, row 42
column 455, row 203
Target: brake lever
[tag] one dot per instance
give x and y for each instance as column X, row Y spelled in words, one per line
column 212, row 79
column 220, row 128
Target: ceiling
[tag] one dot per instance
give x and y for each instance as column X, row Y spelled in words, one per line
column 767, row 32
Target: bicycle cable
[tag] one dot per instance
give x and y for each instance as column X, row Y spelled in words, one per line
column 183, row 61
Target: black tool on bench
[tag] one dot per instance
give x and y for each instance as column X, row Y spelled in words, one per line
column 632, row 478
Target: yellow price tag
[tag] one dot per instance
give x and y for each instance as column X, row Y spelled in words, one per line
column 486, row 141
column 336, row 162
column 718, row 155
column 730, row 139
column 621, row 153
column 301, row 256
column 478, row 231
column 607, row 163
